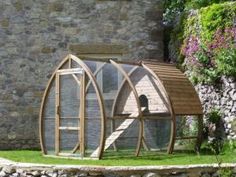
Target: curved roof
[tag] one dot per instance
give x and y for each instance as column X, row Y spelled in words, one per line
column 181, row 92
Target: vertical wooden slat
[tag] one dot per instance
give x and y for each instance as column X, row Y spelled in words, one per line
column 82, row 114
column 69, row 63
column 200, row 133
column 43, row 103
column 100, row 102
column 57, row 117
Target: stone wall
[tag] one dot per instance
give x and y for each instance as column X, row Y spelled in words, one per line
column 34, row 170
column 36, row 35
column 222, row 97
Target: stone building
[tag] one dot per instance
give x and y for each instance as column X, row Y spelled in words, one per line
column 36, row 35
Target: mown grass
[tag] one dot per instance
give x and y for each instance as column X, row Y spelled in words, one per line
column 124, row 158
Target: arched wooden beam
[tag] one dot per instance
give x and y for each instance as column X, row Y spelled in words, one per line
column 200, row 133
column 100, row 102
column 41, row 127
column 115, row 100
column 99, row 96
column 95, row 74
column 141, row 124
column 170, row 108
column 119, row 90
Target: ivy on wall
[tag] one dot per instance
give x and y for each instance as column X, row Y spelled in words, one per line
column 208, row 41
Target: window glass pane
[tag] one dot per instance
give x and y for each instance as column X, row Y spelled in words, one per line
column 92, row 66
column 109, row 78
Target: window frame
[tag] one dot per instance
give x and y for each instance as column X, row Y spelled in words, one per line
column 99, row 77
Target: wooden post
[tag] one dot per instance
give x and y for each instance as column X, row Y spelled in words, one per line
column 82, row 115
column 57, row 116
column 200, row 133
column 172, row 135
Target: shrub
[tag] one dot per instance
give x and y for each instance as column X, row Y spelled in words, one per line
column 208, row 35
column 208, row 61
column 216, row 17
column 213, row 126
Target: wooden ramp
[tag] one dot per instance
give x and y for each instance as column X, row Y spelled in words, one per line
column 117, row 133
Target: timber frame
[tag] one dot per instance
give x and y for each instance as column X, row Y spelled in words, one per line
column 181, row 99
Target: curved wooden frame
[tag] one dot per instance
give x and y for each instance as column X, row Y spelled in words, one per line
column 170, row 108
column 92, row 80
column 113, row 109
column 99, row 97
column 140, row 114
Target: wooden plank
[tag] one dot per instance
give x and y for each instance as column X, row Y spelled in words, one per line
column 70, row 71
column 82, row 115
column 171, row 78
column 179, row 89
column 170, row 70
column 57, row 116
column 69, row 128
column 182, row 104
column 188, row 111
column 117, row 133
column 151, row 63
column 185, row 97
column 76, row 79
column 168, row 75
column 179, row 82
column 182, row 90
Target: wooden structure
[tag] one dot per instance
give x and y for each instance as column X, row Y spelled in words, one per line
column 88, row 105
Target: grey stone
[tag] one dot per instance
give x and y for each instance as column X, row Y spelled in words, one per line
column 206, row 175
column 151, row 175
column 9, row 169
column 2, row 173
column 16, row 175
column 83, row 174
column 136, row 175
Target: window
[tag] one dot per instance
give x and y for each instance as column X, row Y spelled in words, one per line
column 108, row 77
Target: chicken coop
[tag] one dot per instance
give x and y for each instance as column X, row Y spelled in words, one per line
column 91, row 105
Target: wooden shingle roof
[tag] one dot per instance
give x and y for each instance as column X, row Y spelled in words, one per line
column 183, row 97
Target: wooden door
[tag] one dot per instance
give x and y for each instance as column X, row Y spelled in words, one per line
column 69, row 117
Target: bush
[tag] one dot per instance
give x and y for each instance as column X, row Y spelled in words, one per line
column 213, row 131
column 207, row 40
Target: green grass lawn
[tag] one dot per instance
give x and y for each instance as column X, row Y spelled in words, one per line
column 124, row 158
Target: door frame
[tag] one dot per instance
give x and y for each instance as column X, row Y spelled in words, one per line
column 81, row 126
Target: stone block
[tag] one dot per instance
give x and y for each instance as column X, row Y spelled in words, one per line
column 18, row 5
column 48, row 50
column 55, row 6
column 98, row 48
column 151, row 175
column 5, row 23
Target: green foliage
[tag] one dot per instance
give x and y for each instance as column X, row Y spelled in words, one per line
column 197, row 4
column 215, row 141
column 225, row 172
column 172, row 8
column 215, row 17
column 226, row 61
column 214, row 116
column 208, row 47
